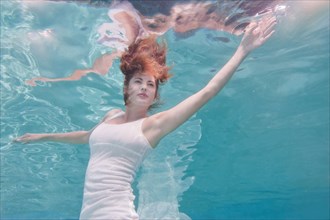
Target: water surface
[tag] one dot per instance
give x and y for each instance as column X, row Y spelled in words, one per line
column 259, row 150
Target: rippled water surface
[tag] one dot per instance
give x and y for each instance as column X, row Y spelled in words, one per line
column 259, row 150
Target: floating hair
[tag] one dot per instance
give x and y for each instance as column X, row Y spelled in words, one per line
column 146, row 56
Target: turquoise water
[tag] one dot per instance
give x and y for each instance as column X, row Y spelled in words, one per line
column 259, row 150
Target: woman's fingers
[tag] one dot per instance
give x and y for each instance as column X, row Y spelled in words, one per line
column 257, row 33
column 250, row 28
column 269, row 35
column 19, row 139
column 265, row 29
column 269, row 26
column 23, row 139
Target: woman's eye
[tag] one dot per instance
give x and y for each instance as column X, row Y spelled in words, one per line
column 152, row 85
column 137, row 81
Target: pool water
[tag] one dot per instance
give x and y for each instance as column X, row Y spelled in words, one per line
column 259, row 150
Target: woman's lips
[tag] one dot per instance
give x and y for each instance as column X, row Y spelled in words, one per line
column 143, row 95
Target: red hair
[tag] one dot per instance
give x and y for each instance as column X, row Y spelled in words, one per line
column 145, row 56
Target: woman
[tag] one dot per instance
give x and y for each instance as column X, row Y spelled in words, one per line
column 122, row 139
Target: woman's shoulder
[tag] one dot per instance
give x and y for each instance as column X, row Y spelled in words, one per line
column 112, row 113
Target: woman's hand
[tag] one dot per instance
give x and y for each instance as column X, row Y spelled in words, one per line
column 27, row 138
column 257, row 33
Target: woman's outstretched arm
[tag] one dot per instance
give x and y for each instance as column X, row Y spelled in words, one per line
column 163, row 123
column 75, row 137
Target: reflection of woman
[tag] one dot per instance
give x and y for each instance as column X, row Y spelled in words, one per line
column 128, row 25
column 125, row 29
column 122, row 139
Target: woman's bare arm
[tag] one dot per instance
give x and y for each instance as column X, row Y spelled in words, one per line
column 75, row 137
column 163, row 123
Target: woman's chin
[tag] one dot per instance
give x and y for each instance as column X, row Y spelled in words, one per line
column 140, row 103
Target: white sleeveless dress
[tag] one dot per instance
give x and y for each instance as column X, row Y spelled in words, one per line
column 117, row 151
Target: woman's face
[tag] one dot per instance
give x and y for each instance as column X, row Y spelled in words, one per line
column 141, row 90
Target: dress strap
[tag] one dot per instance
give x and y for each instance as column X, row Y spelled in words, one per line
column 116, row 115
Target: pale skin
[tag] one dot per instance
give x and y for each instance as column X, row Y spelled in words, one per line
column 142, row 92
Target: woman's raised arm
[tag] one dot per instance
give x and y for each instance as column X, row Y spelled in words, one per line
column 163, row 123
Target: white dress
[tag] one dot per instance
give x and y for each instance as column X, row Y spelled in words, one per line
column 117, row 151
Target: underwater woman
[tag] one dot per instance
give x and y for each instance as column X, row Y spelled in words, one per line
column 124, row 137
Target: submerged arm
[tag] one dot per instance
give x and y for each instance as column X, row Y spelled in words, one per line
column 75, row 137
column 165, row 122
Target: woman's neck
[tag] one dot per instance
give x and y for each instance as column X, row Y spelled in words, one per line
column 133, row 114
